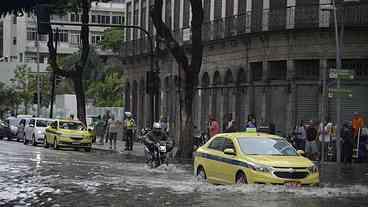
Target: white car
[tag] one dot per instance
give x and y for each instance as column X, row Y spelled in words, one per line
column 35, row 130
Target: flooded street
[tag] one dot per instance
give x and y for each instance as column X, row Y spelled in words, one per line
column 35, row 176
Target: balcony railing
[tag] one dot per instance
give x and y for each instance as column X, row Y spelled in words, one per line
column 305, row 17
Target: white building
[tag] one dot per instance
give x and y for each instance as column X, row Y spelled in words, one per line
column 18, row 36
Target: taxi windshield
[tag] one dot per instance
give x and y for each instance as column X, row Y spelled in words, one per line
column 43, row 123
column 71, row 125
column 266, row 146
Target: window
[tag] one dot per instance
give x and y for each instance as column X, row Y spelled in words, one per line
column 218, row 9
column 117, row 20
column 32, row 121
column 74, row 17
column 94, row 19
column 14, row 40
column 168, row 13
column 63, row 35
column 266, row 146
column 257, row 71
column 54, row 125
column 176, row 17
column 97, row 38
column 20, row 57
column 277, row 70
column 43, row 123
column 217, row 144
column 186, row 14
column 229, row 144
column 71, row 125
column 75, row 38
column 144, row 13
column 22, row 122
column 307, row 69
column 31, row 34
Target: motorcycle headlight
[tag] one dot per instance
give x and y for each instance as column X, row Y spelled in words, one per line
column 261, row 168
column 313, row 169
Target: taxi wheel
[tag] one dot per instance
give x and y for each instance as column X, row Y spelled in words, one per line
column 34, row 141
column 201, row 174
column 25, row 141
column 241, row 178
column 46, row 144
column 56, row 147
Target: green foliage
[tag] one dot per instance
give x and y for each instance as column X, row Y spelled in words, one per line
column 107, row 92
column 112, row 39
column 24, row 83
column 9, row 98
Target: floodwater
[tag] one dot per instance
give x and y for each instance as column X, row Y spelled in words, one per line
column 34, row 176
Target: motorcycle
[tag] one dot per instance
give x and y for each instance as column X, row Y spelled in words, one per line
column 142, row 134
column 158, row 155
column 199, row 140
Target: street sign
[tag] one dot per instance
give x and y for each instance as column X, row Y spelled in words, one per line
column 341, row 92
column 342, row 74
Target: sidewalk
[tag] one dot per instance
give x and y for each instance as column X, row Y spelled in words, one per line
column 138, row 148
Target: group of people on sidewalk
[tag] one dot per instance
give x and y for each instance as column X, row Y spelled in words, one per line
column 108, row 129
column 313, row 136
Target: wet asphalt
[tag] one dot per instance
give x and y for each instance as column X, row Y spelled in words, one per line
column 35, row 176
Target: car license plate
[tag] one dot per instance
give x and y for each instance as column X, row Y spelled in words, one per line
column 75, row 143
column 162, row 148
column 293, row 184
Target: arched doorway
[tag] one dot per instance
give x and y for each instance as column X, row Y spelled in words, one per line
column 127, row 97
column 141, row 110
column 228, row 95
column 135, row 99
column 216, row 95
column 241, row 108
column 205, row 100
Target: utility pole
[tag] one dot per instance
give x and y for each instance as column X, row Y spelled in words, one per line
column 338, row 100
column 38, row 75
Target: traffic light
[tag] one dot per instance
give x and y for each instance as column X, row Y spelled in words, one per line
column 43, row 19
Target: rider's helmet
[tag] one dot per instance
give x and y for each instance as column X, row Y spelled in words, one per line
column 156, row 128
column 128, row 114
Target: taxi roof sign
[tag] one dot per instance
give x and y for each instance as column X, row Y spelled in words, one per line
column 252, row 130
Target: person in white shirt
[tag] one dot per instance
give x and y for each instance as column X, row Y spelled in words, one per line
column 113, row 132
column 324, row 135
column 300, row 136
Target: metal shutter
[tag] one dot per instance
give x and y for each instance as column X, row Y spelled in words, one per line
column 307, row 103
column 277, row 105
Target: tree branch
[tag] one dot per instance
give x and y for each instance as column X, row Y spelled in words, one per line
column 52, row 57
column 164, row 32
column 197, row 46
column 84, row 36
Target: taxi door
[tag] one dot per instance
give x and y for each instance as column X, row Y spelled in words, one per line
column 229, row 166
column 51, row 131
column 213, row 160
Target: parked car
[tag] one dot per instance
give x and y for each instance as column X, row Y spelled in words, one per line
column 5, row 130
column 68, row 133
column 35, row 130
column 13, row 125
column 23, row 123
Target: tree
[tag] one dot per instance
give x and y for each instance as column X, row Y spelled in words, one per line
column 76, row 72
column 107, row 92
column 190, row 70
column 112, row 39
column 25, row 84
column 9, row 99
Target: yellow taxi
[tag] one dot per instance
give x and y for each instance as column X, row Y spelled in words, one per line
column 68, row 133
column 254, row 158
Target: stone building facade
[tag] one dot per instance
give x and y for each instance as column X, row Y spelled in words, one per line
column 261, row 57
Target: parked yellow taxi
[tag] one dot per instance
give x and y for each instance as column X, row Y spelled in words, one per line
column 254, row 158
column 68, row 133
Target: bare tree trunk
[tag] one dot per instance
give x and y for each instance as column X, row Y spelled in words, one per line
column 79, row 92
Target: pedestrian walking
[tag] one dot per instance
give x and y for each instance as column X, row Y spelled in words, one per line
column 100, row 129
column 230, row 124
column 113, row 132
column 252, row 122
column 300, row 136
column 348, row 143
column 214, row 126
column 129, row 127
column 324, row 136
column 106, row 117
column 311, row 147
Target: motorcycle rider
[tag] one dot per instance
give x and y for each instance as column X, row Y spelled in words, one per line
column 155, row 136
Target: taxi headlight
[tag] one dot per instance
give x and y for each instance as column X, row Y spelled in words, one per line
column 39, row 132
column 313, row 169
column 261, row 168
